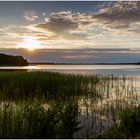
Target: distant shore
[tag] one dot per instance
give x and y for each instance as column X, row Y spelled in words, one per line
column 43, row 63
column 11, row 60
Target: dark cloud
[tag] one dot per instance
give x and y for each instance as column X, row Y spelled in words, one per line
column 91, row 28
column 119, row 14
column 113, row 15
column 78, row 55
column 58, row 24
column 65, row 24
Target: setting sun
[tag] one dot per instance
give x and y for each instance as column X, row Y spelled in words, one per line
column 29, row 43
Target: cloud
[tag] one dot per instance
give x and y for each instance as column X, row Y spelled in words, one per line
column 58, row 23
column 111, row 18
column 81, row 56
column 114, row 24
column 119, row 15
column 110, row 26
column 30, row 15
column 66, row 24
column 11, row 35
column 43, row 14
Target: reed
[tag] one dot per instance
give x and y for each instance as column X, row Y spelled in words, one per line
column 22, row 85
column 54, row 105
column 30, row 119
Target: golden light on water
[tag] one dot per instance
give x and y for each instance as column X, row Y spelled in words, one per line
column 29, row 43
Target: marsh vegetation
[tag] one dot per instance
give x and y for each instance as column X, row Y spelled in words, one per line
column 54, row 105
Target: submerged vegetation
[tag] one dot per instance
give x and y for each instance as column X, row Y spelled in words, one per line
column 54, row 105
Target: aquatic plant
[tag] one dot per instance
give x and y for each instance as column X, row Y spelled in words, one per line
column 54, row 105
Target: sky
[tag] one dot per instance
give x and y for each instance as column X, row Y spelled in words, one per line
column 70, row 31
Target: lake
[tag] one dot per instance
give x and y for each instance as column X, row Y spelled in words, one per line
column 97, row 116
column 81, row 69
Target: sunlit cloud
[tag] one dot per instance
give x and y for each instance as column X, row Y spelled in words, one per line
column 43, row 14
column 109, row 26
column 30, row 15
column 112, row 19
column 29, row 43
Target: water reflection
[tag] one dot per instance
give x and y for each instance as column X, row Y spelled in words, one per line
column 118, row 92
column 81, row 69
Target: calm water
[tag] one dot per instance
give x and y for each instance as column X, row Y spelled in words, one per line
column 81, row 69
column 99, row 115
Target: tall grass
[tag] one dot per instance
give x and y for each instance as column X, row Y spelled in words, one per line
column 128, row 127
column 33, row 120
column 23, row 85
column 100, row 114
column 54, row 105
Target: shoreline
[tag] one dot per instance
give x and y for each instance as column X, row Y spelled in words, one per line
column 84, row 63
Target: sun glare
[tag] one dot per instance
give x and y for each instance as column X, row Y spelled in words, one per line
column 29, row 43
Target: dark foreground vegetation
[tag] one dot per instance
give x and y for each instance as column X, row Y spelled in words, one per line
column 128, row 127
column 42, row 104
column 54, row 105
column 30, row 119
column 10, row 60
column 16, row 86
